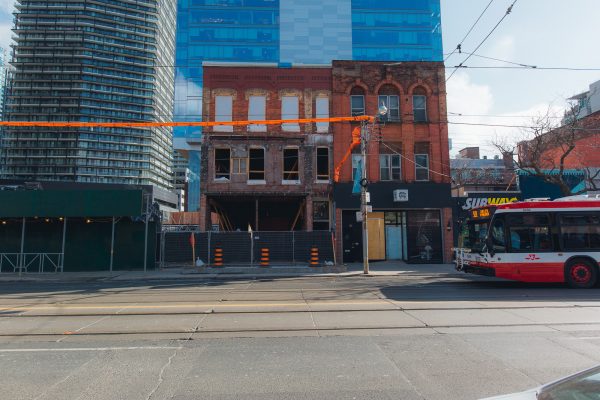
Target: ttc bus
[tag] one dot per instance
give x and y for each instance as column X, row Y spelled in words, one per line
column 534, row 241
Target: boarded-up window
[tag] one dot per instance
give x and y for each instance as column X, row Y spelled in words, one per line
column 222, row 164
column 257, row 112
column 223, row 112
column 322, row 111
column 322, row 163
column 290, row 164
column 289, row 110
column 256, row 163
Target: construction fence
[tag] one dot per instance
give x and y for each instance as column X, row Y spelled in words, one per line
column 244, row 248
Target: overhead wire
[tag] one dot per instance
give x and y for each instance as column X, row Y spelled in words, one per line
column 459, row 46
column 506, row 14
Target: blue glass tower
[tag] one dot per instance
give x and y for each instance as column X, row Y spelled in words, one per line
column 291, row 32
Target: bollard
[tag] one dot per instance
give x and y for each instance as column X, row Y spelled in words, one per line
column 314, row 257
column 264, row 257
column 218, row 259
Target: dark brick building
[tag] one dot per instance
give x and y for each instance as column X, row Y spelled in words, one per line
column 268, row 177
column 407, row 165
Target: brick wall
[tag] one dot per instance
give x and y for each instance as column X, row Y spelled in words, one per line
column 406, row 79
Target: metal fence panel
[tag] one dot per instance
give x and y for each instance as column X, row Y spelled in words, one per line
column 280, row 245
column 236, row 246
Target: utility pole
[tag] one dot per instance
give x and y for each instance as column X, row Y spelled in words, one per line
column 363, row 196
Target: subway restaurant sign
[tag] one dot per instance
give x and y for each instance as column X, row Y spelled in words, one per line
column 488, row 199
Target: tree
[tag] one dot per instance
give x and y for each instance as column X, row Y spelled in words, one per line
column 547, row 150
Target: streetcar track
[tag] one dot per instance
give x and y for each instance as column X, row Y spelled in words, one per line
column 214, row 309
column 292, row 330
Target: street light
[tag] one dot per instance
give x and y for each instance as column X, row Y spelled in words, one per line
column 382, row 110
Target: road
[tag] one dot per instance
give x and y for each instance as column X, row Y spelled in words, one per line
column 411, row 336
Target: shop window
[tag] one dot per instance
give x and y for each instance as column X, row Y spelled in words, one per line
column 419, row 105
column 257, row 112
column 322, row 163
column 321, row 215
column 290, row 165
column 256, row 164
column 222, row 164
column 223, row 112
column 289, row 110
column 424, row 239
column 357, row 101
column 389, row 167
column 322, row 111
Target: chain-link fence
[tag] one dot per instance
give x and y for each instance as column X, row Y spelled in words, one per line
column 244, row 248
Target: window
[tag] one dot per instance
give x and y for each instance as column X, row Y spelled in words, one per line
column 419, row 105
column 223, row 112
column 322, row 163
column 422, row 167
column 222, row 164
column 320, row 215
column 388, row 96
column 498, row 236
column 322, row 111
column 238, row 165
column 357, row 101
column 290, row 165
column 389, row 167
column 422, row 161
column 256, row 163
column 356, row 160
column 357, row 104
column 529, row 232
column 580, row 232
column 257, row 112
column 289, row 110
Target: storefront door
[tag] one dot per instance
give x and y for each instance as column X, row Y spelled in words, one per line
column 393, row 242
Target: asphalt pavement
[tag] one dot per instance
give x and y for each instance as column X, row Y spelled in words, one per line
column 425, row 334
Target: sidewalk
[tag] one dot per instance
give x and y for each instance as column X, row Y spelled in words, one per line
column 354, row 269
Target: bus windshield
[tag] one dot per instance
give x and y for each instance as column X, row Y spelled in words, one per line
column 473, row 235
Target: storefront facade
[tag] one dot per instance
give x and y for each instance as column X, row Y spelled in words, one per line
column 409, row 222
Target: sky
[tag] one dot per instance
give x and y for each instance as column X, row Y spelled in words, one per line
column 545, row 33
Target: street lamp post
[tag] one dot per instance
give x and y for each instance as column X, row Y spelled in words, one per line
column 364, row 139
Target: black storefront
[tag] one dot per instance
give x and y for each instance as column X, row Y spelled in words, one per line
column 406, row 223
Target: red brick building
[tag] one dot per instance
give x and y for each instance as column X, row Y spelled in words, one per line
column 268, row 177
column 407, row 164
column 546, row 153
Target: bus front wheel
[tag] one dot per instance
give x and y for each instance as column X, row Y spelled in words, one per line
column 581, row 274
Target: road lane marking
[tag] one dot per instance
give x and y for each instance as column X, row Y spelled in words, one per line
column 89, row 349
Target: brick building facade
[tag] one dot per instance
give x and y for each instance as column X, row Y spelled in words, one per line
column 407, row 165
column 268, row 177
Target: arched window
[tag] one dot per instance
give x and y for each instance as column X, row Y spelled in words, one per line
column 420, row 105
column 388, row 96
column 357, row 101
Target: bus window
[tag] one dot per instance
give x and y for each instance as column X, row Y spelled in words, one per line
column 498, row 236
column 529, row 232
column 580, row 232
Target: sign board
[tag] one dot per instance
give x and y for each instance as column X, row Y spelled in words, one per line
column 400, row 195
column 359, row 217
column 368, row 197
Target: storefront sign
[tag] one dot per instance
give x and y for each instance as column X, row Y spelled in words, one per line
column 400, row 195
column 474, row 202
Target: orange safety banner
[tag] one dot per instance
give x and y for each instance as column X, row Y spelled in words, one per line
column 187, row 123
